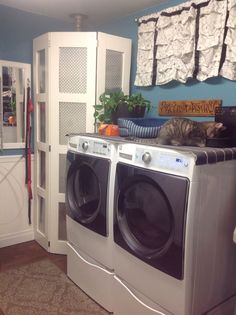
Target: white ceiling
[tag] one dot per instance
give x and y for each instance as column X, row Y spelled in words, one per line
column 97, row 11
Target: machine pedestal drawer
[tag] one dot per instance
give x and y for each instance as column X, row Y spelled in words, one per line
column 93, row 279
column 129, row 301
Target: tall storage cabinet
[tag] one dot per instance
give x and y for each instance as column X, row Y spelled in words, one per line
column 71, row 70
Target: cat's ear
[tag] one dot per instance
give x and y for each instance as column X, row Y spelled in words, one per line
column 220, row 126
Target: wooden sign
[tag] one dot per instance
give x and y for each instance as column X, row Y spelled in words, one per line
column 189, row 107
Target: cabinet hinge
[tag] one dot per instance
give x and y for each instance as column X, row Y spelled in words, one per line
column 49, row 148
column 48, row 243
column 49, row 43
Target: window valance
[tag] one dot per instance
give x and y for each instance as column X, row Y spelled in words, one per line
column 196, row 39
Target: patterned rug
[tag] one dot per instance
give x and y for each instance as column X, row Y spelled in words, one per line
column 41, row 288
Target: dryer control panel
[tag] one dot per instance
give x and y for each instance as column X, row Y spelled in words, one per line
column 159, row 158
column 163, row 160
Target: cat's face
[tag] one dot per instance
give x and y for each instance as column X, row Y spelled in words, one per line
column 213, row 129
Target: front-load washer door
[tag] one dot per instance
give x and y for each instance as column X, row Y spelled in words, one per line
column 150, row 209
column 86, row 191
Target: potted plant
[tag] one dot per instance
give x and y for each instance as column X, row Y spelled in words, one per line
column 138, row 105
column 112, row 105
column 118, row 105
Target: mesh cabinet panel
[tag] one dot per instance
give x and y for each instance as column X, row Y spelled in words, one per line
column 41, row 219
column 72, row 119
column 42, row 122
column 62, row 173
column 41, row 71
column 42, row 169
column 114, row 70
column 62, row 221
column 73, row 70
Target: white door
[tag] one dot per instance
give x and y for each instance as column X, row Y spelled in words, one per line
column 41, row 132
column 70, row 93
column 72, row 74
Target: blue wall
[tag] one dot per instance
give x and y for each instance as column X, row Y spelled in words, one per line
column 214, row 88
column 19, row 28
column 17, row 31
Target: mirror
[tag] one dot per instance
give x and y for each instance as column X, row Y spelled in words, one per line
column 15, row 77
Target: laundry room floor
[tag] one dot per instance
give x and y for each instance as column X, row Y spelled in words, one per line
column 33, row 281
column 26, row 253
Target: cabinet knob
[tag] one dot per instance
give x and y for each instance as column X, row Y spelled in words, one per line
column 147, row 157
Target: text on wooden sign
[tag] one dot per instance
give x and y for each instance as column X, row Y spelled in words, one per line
column 189, row 107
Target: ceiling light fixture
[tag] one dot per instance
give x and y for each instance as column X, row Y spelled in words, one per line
column 79, row 18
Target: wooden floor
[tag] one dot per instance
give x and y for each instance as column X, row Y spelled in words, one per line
column 26, row 253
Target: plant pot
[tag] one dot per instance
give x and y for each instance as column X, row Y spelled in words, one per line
column 123, row 112
column 120, row 112
column 138, row 111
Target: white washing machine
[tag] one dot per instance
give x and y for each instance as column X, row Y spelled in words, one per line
column 91, row 165
column 174, row 217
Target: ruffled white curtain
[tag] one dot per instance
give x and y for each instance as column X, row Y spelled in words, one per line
column 196, row 39
column 175, row 46
column 228, row 69
column 146, row 50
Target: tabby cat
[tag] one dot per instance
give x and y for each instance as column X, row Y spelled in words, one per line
column 184, row 131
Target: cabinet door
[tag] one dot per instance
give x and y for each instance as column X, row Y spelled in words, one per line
column 72, row 71
column 70, row 93
column 41, row 132
column 113, row 64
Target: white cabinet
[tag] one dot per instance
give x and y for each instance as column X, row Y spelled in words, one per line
column 14, row 221
column 70, row 70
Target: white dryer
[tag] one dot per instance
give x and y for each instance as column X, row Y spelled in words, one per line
column 89, row 202
column 174, row 218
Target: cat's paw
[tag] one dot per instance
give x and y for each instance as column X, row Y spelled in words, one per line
column 200, row 145
column 175, row 142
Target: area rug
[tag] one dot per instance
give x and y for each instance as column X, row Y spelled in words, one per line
column 41, row 288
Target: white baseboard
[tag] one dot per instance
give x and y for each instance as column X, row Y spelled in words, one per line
column 16, row 238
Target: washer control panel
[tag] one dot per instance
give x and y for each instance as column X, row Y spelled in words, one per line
column 90, row 146
column 101, row 148
column 94, row 146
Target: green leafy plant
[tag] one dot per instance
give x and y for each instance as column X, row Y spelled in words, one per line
column 138, row 100
column 108, row 104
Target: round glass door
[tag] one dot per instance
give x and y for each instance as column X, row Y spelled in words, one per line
column 83, row 192
column 145, row 217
